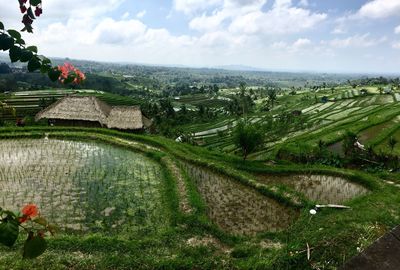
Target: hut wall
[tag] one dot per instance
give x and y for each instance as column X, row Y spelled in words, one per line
column 74, row 123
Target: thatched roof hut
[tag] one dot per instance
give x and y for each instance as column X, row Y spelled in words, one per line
column 90, row 111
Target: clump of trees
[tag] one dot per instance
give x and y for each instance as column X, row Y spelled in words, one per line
column 248, row 137
column 353, row 155
column 242, row 103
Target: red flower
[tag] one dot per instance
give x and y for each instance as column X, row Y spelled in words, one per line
column 68, row 71
column 29, row 211
column 38, row 11
column 23, row 9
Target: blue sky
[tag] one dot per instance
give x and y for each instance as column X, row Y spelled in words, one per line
column 296, row 35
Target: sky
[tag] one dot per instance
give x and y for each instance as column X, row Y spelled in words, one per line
column 356, row 36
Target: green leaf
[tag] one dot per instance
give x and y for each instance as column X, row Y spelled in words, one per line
column 52, row 228
column 30, row 13
column 54, row 74
column 20, row 41
column 26, row 56
column 68, row 80
column 45, row 60
column 1, row 26
column 15, row 54
column 45, row 68
column 33, row 49
column 34, row 247
column 35, row 2
column 8, row 232
column 28, row 28
column 34, row 64
column 15, row 34
column 6, row 42
column 41, row 221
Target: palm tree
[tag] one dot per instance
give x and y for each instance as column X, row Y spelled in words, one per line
column 392, row 143
column 271, row 92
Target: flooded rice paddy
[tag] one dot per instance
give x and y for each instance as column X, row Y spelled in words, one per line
column 319, row 188
column 82, row 186
column 236, row 208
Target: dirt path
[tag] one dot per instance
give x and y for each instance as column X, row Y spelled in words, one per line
column 184, row 204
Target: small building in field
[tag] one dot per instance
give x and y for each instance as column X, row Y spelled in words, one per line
column 387, row 90
column 89, row 111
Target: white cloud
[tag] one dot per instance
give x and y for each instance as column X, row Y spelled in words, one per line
column 396, row 45
column 248, row 17
column 397, row 30
column 110, row 31
column 141, row 14
column 279, row 45
column 304, row 3
column 56, row 9
column 377, row 9
column 282, row 19
column 338, row 30
column 357, row 41
column 301, row 44
column 208, row 23
column 125, row 15
column 192, row 6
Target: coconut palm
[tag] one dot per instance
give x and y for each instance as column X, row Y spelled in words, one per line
column 392, row 143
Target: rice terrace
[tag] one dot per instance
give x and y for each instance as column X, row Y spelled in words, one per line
column 201, row 134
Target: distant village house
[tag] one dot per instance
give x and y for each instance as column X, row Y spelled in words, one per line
column 92, row 112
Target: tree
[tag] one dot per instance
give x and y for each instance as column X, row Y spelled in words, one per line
column 349, row 142
column 272, row 92
column 167, row 108
column 243, row 89
column 321, row 145
column 202, row 110
column 392, row 143
column 4, row 68
column 248, row 137
column 183, row 109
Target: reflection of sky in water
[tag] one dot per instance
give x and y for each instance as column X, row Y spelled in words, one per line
column 319, row 188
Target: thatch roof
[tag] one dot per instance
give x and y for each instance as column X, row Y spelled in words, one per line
column 125, row 118
column 94, row 110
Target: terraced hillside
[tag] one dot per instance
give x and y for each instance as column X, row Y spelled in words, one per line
column 145, row 202
column 29, row 103
column 325, row 116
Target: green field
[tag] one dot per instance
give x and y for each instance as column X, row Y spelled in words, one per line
column 373, row 117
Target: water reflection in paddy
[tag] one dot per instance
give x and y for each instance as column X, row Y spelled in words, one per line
column 236, row 208
column 319, row 188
